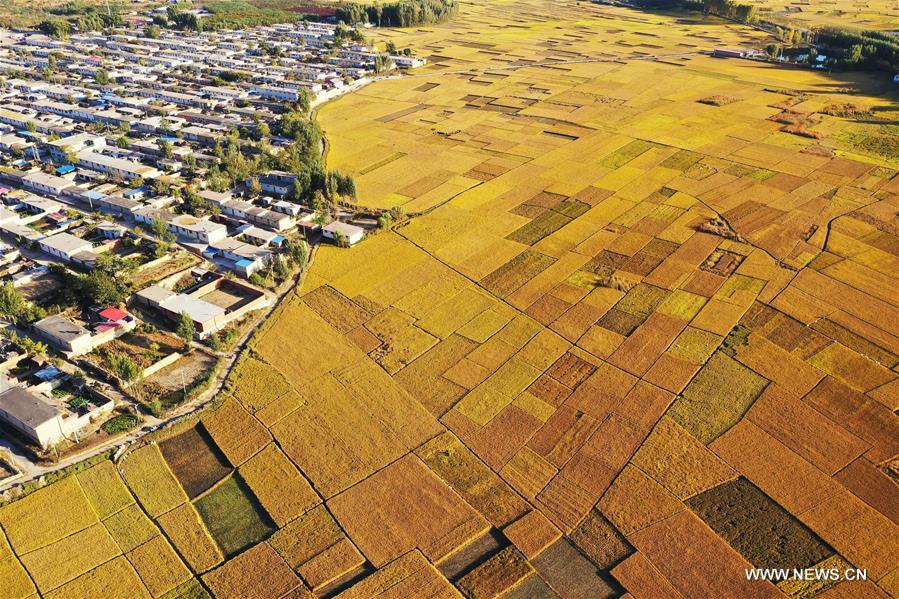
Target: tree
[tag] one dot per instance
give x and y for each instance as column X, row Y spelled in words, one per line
column 255, row 187
column 166, row 148
column 58, row 28
column 161, row 229
column 12, row 304
column 301, row 185
column 102, row 288
column 102, row 77
column 296, row 252
column 152, row 31
column 186, row 328
column 280, row 269
column 391, row 47
column 124, row 367
column 343, row 184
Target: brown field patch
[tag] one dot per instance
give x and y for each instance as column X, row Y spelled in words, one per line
column 679, row 462
column 240, row 576
column 195, row 460
column 761, row 530
column 408, row 576
column 598, row 539
column 495, row 576
column 405, row 506
column 472, row 479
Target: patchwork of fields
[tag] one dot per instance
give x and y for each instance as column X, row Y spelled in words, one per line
column 640, row 339
column 861, row 14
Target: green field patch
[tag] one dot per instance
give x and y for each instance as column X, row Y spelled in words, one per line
column 233, row 516
column 516, row 272
column 694, row 345
column 546, row 224
column 642, row 300
column 682, row 160
column 622, row 156
column 717, row 397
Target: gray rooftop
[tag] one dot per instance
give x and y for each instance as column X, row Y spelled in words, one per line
column 26, row 407
column 61, row 328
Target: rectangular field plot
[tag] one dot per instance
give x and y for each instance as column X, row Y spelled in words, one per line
column 233, row 516
column 195, row 460
column 761, row 530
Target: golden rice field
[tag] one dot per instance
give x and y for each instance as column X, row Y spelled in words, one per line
column 636, row 339
column 861, row 14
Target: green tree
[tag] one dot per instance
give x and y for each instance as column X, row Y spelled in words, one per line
column 186, row 329
column 124, row 367
column 102, row 77
column 296, row 252
column 103, row 289
column 58, row 28
column 12, row 304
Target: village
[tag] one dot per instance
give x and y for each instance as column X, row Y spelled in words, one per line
column 158, row 195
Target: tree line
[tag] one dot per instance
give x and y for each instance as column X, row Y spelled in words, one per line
column 401, row 13
column 728, row 9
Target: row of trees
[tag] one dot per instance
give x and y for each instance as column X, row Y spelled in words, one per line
column 872, row 50
column 736, row 11
column 728, row 9
column 84, row 18
column 230, row 14
column 401, row 13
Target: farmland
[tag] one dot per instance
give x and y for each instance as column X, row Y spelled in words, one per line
column 636, row 338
